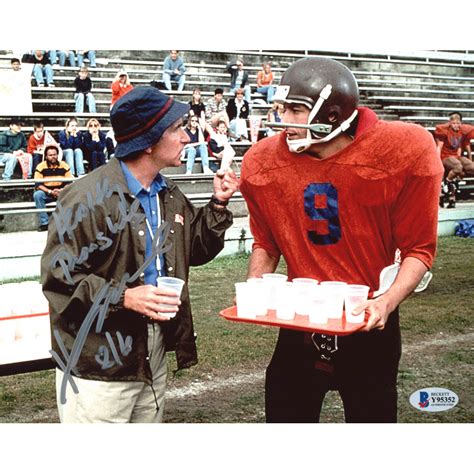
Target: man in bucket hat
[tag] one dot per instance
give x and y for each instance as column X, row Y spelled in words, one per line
column 114, row 232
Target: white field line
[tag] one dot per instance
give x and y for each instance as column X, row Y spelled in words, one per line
column 198, row 388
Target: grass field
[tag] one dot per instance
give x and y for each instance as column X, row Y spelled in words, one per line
column 227, row 384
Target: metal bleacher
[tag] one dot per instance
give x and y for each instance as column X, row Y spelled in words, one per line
column 418, row 86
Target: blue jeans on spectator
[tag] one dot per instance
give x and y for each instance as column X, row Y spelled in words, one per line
column 75, row 160
column 247, row 92
column 79, row 98
column 36, row 159
column 179, row 78
column 96, row 159
column 268, row 90
column 90, row 57
column 41, row 199
column 195, row 151
column 10, row 161
column 47, row 71
column 54, row 55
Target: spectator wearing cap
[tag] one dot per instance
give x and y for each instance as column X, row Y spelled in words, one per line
column 239, row 78
column 140, row 227
column 12, row 148
column 120, row 86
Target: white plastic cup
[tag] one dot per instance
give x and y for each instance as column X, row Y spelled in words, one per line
column 355, row 296
column 336, row 292
column 285, row 307
column 273, row 282
column 259, row 296
column 303, row 289
column 319, row 305
column 244, row 297
column 170, row 283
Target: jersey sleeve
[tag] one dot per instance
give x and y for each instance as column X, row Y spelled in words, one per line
column 415, row 212
column 259, row 226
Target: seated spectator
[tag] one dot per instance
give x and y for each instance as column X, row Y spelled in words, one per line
column 83, row 85
column 36, row 145
column 216, row 109
column 48, row 191
column 89, row 53
column 42, row 69
column 60, row 56
column 275, row 114
column 173, row 70
column 13, row 150
column 220, row 147
column 238, row 111
column 110, row 144
column 197, row 146
column 198, row 108
column 120, row 86
column 71, row 143
column 453, row 139
column 264, row 82
column 94, row 144
column 239, row 78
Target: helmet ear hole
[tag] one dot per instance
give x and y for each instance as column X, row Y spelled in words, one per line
column 334, row 113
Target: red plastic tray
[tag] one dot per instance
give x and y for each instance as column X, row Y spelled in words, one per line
column 335, row 327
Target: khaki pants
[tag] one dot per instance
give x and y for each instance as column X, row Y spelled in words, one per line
column 118, row 402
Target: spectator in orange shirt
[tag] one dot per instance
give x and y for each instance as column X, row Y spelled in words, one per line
column 36, row 145
column 120, row 86
column 265, row 80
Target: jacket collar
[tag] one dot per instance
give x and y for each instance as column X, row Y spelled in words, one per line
column 115, row 174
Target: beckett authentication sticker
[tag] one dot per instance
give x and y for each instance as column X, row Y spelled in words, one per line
column 434, row 399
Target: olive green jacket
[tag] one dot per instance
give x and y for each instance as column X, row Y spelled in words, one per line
column 95, row 250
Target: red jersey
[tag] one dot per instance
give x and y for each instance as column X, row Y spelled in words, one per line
column 453, row 142
column 342, row 218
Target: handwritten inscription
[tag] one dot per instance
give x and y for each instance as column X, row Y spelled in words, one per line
column 103, row 356
column 67, row 221
column 107, row 295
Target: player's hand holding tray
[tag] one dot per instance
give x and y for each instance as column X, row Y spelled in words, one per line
column 302, row 305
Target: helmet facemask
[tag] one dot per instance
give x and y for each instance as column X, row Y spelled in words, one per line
column 330, row 92
column 316, row 132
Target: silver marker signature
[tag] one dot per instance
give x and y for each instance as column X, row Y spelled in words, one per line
column 106, row 296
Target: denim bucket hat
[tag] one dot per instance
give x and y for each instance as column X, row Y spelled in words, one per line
column 141, row 116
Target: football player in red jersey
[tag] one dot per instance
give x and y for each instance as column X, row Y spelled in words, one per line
column 452, row 139
column 336, row 194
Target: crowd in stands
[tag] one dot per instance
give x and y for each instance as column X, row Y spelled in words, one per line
column 212, row 125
